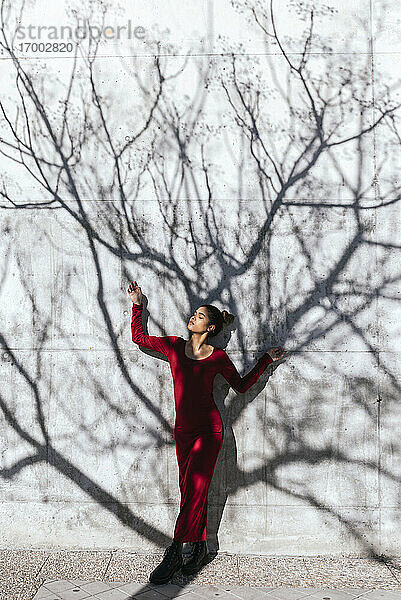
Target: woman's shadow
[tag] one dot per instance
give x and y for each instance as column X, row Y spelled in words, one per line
column 227, row 477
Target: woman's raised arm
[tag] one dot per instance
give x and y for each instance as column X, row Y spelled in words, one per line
column 152, row 342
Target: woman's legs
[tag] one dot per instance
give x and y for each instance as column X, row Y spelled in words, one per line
column 196, row 455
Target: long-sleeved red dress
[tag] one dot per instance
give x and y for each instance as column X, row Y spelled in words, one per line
column 198, row 429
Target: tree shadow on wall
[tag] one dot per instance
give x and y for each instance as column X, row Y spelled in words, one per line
column 301, row 247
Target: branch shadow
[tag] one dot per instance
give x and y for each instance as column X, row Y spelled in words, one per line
column 172, row 153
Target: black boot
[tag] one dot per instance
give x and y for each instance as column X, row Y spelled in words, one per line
column 196, row 560
column 171, row 563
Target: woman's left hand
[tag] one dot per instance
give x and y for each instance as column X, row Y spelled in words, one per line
column 276, row 353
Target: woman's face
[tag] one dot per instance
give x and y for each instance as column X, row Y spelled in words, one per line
column 199, row 321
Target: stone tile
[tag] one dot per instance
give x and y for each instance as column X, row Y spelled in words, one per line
column 152, row 594
column 212, row 591
column 113, row 594
column 43, row 594
column 170, row 590
column 285, row 593
column 382, row 595
column 59, row 585
column 117, row 584
column 354, row 591
column 193, row 596
column 94, row 587
column 333, row 594
column 308, row 589
column 137, row 588
column 219, row 595
column 242, row 591
column 74, row 593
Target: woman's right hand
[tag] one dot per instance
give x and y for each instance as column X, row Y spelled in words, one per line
column 276, row 353
column 135, row 292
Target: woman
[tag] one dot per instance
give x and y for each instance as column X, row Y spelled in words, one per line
column 198, row 429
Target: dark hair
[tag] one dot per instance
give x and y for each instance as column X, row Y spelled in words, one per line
column 218, row 318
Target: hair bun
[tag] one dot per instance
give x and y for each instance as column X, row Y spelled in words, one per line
column 227, row 317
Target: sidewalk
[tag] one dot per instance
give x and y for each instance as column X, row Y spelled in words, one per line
column 119, row 575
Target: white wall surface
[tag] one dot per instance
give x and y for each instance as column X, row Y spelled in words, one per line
column 207, row 176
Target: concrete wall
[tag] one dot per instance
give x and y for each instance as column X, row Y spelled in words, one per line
column 253, row 165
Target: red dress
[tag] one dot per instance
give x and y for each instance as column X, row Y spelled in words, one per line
column 198, row 429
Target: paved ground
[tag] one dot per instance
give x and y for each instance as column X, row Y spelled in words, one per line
column 119, row 575
column 68, row 590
